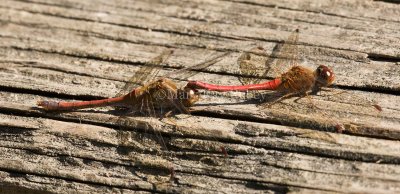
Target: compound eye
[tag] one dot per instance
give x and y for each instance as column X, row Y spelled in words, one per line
column 320, row 69
column 328, row 74
column 323, row 71
column 191, row 92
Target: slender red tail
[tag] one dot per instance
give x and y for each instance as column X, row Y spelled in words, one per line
column 53, row 105
column 270, row 85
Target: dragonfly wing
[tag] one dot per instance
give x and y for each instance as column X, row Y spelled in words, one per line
column 251, row 64
column 287, row 56
column 146, row 73
column 186, row 73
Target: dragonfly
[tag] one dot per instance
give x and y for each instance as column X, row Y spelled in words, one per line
column 147, row 94
column 291, row 78
column 298, row 80
column 150, row 95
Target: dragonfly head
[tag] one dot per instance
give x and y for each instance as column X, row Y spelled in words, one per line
column 188, row 96
column 324, row 76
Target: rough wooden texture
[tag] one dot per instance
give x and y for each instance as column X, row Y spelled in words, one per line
column 78, row 50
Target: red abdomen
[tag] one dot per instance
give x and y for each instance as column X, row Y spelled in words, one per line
column 270, row 85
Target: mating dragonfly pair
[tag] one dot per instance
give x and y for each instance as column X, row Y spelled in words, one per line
column 163, row 93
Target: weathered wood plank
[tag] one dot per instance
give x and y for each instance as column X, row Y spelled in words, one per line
column 146, row 20
column 247, row 133
column 345, row 69
column 353, row 110
column 14, row 182
column 348, row 9
column 74, row 49
column 58, row 145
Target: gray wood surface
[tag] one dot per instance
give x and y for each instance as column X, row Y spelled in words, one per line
column 336, row 141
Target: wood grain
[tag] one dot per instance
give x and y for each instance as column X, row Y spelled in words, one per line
column 79, row 50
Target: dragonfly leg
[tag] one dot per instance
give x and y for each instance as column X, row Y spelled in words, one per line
column 315, row 90
column 310, row 101
column 269, row 104
column 309, row 98
column 167, row 116
column 338, row 93
column 330, row 91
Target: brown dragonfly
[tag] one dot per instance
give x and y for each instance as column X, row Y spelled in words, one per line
column 150, row 95
column 297, row 80
column 146, row 94
column 291, row 78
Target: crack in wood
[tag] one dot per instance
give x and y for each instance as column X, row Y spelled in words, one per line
column 72, row 49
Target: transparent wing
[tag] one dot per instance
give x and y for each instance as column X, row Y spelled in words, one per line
column 185, row 73
column 252, row 64
column 287, row 56
column 146, row 73
column 255, row 62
